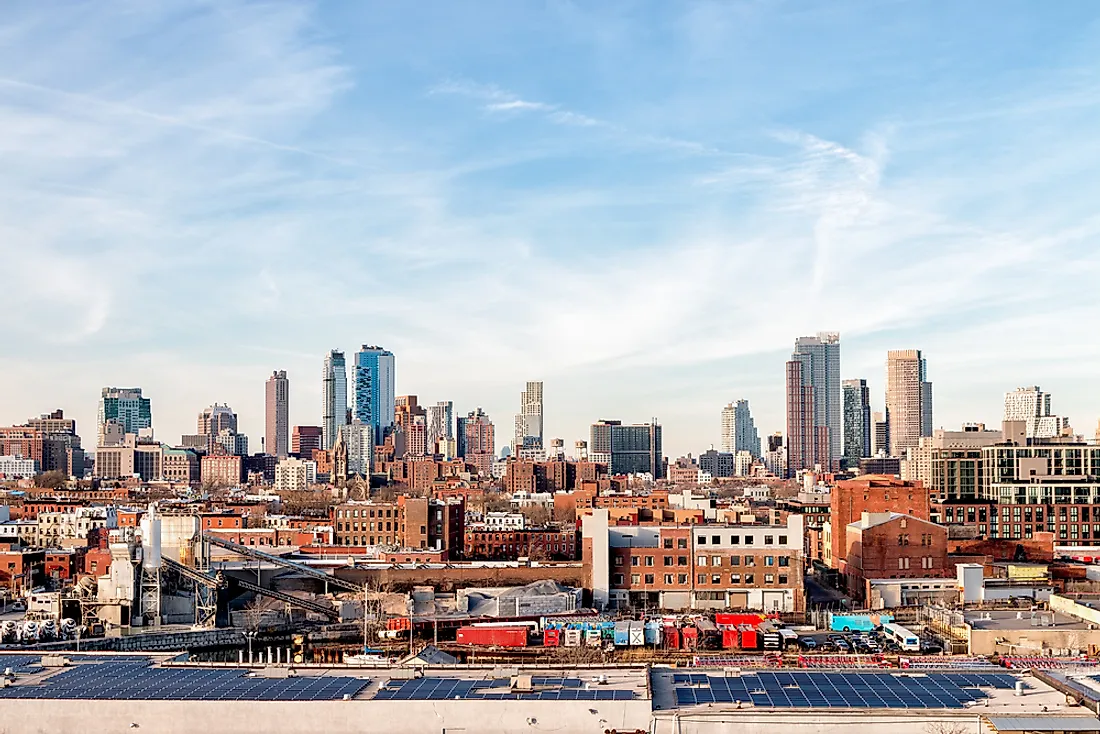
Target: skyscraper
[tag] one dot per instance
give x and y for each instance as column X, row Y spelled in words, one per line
column 857, row 421
column 213, row 419
column 814, row 403
column 880, row 435
column 126, row 406
column 739, row 430
column 334, row 397
column 633, row 449
column 440, row 422
column 477, row 441
column 373, row 383
column 1031, row 406
column 529, row 433
column 908, row 400
column 277, row 424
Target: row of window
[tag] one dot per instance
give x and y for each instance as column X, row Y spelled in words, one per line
column 736, row 540
column 702, row 579
column 354, row 527
column 926, row 562
column 355, row 513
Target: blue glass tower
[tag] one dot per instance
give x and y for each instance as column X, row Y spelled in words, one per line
column 374, row 389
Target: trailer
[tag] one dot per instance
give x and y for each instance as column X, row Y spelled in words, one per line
column 551, row 638
column 492, row 636
column 622, row 634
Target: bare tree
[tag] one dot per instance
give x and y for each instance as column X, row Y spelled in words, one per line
column 537, row 515
column 946, row 727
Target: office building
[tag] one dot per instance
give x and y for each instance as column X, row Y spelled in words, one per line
column 718, row 464
column 334, row 396
column 738, row 430
column 216, row 425
column 373, row 389
column 128, row 456
column 440, row 423
column 529, row 431
column 358, row 439
column 277, row 425
column 61, row 449
column 880, row 435
column 627, row 449
column 215, row 418
column 814, row 403
column 304, row 439
column 127, row 406
column 949, row 462
column 908, row 400
column 857, row 421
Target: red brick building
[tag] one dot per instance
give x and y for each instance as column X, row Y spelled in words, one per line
column 891, row 545
column 21, row 441
column 304, row 440
column 508, row 545
column 874, row 493
column 224, row 471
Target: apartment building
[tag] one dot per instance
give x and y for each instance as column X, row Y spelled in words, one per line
column 891, row 545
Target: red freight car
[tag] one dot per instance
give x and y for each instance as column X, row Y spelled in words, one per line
column 499, row 636
column 729, row 638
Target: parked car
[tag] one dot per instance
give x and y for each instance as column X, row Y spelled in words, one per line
column 808, row 644
column 842, row 646
column 828, row 646
column 931, row 648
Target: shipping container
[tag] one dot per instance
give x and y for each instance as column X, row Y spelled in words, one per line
column 653, row 632
column 551, row 638
column 690, row 637
column 736, row 619
column 671, row 638
column 637, row 634
column 749, row 638
column 622, row 634
column 729, row 638
column 593, row 638
column 399, row 623
column 499, row 636
column 573, row 638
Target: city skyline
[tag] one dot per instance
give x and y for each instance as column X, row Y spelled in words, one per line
column 563, row 195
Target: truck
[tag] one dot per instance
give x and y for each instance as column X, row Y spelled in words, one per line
column 857, row 622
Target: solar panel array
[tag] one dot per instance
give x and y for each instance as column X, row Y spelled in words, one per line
column 128, row 681
column 839, row 690
column 21, row 663
column 545, row 689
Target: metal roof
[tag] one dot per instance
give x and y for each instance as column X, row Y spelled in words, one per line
column 1044, row 723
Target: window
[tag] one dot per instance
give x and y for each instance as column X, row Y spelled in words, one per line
column 618, row 560
column 681, row 542
column 749, row 579
column 668, row 543
column 681, row 578
column 716, row 579
column 701, row 540
column 784, row 560
column 716, row 540
column 635, row 579
column 782, row 579
column 735, row 560
column 768, row 539
column 649, row 578
column 649, row 560
column 748, row 540
column 735, row 578
column 735, row 540
column 716, row 560
column 903, row 564
column 668, row 579
column 681, row 560
column 701, row 561
column 634, row 560
column 926, row 562
column 769, row 560
column 782, row 540
column 769, row 578
column 701, row 578
column 750, row 560
column 668, row 560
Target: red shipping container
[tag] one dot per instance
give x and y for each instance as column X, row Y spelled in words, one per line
column 691, row 638
column 551, row 638
column 749, row 638
column 736, row 619
column 729, row 639
column 399, row 623
column 499, row 636
column 671, row 638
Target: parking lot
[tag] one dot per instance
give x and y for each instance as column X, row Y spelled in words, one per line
column 863, row 643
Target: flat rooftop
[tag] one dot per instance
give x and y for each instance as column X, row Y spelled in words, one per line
column 1009, row 620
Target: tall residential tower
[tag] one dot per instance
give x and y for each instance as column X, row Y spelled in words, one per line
column 373, row 389
column 908, row 400
column 126, row 406
column 814, row 403
column 334, row 397
column 277, row 424
column 739, row 430
column 857, row 421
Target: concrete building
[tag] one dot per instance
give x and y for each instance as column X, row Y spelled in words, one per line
column 373, row 389
column 908, row 399
column 738, row 430
column 949, row 462
column 359, row 441
column 277, row 415
column 17, row 467
column 440, row 424
column 127, row 406
column 215, row 418
column 295, row 475
column 180, row 465
column 61, row 449
column 477, row 441
column 891, row 545
column 857, row 421
column 880, row 435
column 1031, row 406
column 529, row 420
column 718, row 464
column 334, row 397
column 627, row 449
column 128, row 458
column 814, row 403
column 222, row 470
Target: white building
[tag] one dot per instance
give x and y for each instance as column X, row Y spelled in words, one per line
column 295, row 475
column 359, row 439
column 742, row 464
column 1032, row 406
column 532, row 499
column 505, row 521
column 761, row 493
column 16, row 467
column 71, row 528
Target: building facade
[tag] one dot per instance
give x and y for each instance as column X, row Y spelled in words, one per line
column 304, row 439
column 1031, row 406
column 127, row 406
column 334, row 397
column 277, row 424
column 440, row 424
column 849, row 499
column 739, row 430
column 477, row 441
column 627, row 449
column 373, row 383
column 529, row 420
column 857, row 421
column 908, row 399
column 813, row 392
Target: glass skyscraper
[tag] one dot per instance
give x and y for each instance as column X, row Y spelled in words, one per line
column 373, row 385
column 127, row 406
column 814, row 403
column 857, row 421
column 334, row 397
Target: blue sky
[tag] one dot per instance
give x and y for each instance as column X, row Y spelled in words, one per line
column 642, row 204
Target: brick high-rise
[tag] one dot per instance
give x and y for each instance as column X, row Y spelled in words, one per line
column 277, row 431
column 908, row 400
column 814, row 403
